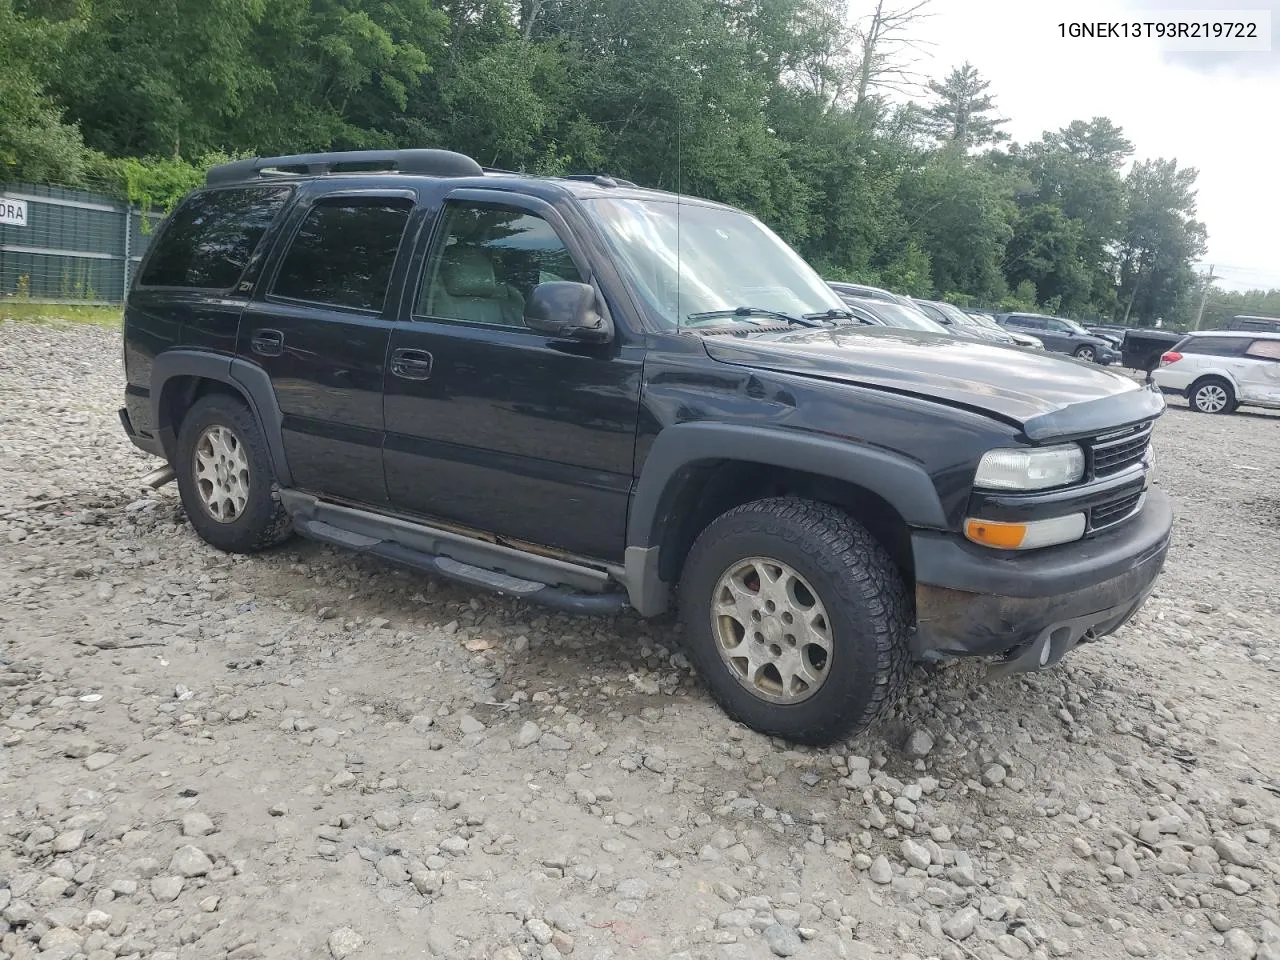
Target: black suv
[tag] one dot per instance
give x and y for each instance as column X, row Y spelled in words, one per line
column 597, row 396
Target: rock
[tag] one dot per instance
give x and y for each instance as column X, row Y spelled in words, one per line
column 633, row 889
column 190, row 862
column 961, row 924
column 1081, row 848
column 197, row 824
column 783, row 941
column 1233, row 852
column 529, row 734
column 470, row 725
column 540, row 930
column 993, row 775
column 1135, row 947
column 97, row 920
column 549, row 741
column 915, row 854
column 96, row 761
column 386, row 819
column 919, row 744
column 881, row 871
column 1011, row 946
column 68, row 841
column 1240, row 945
column 343, row 942
column 166, row 889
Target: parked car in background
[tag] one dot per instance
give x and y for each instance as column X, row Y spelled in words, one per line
column 1021, row 339
column 867, row 292
column 1219, row 371
column 962, row 324
column 887, row 314
column 1113, row 335
column 1268, row 324
column 1061, row 336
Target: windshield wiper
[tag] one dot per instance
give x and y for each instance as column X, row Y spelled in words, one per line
column 834, row 314
column 746, row 312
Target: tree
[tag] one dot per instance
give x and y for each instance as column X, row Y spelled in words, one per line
column 962, row 108
column 36, row 143
column 1161, row 239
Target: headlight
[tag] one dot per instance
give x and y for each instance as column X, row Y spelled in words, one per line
column 1030, row 468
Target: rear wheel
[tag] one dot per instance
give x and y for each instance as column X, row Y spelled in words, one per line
column 1212, row 395
column 225, row 478
column 797, row 619
column 1086, row 352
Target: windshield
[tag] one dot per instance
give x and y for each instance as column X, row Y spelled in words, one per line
column 1073, row 326
column 983, row 320
column 718, row 259
column 956, row 314
column 896, row 315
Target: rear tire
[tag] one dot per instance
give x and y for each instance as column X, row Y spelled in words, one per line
column 1212, row 395
column 225, row 478
column 796, row 619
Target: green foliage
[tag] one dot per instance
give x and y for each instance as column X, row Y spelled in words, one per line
column 776, row 106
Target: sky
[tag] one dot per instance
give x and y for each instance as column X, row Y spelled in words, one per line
column 1217, row 112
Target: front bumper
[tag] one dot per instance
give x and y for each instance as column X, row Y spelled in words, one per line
column 1031, row 609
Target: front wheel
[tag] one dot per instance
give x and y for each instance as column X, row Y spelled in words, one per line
column 1212, row 396
column 1086, row 353
column 796, row 619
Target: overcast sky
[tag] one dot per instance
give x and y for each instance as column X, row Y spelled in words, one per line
column 1215, row 112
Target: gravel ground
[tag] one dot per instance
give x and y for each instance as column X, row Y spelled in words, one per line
column 304, row 754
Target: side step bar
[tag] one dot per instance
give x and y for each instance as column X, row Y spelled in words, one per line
column 463, row 559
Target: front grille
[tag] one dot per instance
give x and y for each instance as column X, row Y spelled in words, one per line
column 1108, row 514
column 1115, row 452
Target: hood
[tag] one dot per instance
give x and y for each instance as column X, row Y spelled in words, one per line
column 1046, row 395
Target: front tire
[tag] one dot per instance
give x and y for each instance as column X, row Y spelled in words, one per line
column 225, row 478
column 1212, row 395
column 797, row 620
column 1086, row 353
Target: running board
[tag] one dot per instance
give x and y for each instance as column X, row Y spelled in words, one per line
column 454, row 556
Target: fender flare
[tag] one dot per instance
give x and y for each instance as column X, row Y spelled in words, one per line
column 249, row 380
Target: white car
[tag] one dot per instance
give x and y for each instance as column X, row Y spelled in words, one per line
column 1219, row 370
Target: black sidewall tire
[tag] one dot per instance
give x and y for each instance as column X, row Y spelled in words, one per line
column 866, row 602
column 264, row 522
column 1214, row 381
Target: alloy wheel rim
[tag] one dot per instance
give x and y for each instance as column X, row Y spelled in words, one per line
column 771, row 630
column 1211, row 398
column 221, row 467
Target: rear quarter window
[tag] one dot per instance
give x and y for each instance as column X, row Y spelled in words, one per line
column 209, row 239
column 1214, row 346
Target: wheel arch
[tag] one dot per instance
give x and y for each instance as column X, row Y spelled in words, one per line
column 180, row 377
column 697, row 471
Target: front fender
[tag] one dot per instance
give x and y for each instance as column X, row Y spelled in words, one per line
column 902, row 483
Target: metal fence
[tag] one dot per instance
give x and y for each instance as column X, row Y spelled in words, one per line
column 69, row 246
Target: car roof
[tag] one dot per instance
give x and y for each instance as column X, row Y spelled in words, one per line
column 1243, row 334
column 426, row 168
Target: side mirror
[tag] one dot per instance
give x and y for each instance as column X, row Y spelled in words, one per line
column 568, row 311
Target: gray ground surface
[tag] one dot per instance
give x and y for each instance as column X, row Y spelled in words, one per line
column 308, row 755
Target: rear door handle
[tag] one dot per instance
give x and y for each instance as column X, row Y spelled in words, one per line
column 411, row 364
column 268, row 343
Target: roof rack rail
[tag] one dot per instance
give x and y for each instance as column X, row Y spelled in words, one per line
column 438, row 163
column 598, row 178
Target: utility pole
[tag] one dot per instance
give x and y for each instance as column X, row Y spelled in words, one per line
column 1204, row 299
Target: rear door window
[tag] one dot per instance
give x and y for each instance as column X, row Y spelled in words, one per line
column 1264, row 350
column 209, row 239
column 343, row 252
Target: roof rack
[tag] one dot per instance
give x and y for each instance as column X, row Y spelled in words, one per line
column 599, row 179
column 437, row 163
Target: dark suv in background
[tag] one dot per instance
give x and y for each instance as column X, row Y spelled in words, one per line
column 596, row 396
column 1060, row 335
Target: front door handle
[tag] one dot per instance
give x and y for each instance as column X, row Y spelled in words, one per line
column 411, row 364
column 268, row 343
